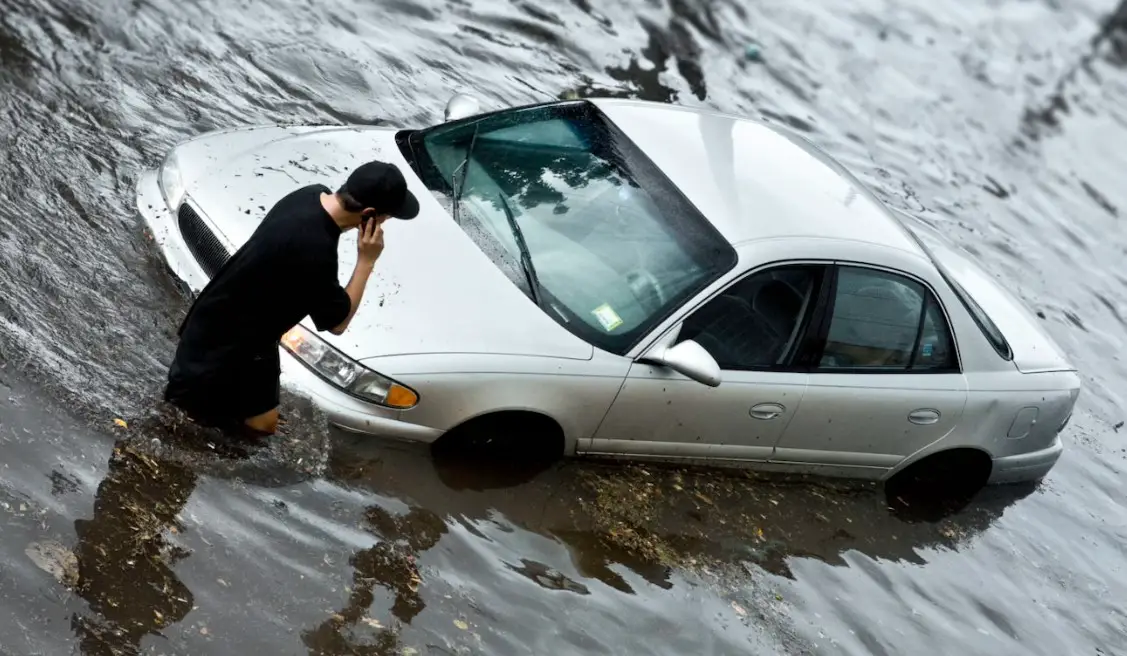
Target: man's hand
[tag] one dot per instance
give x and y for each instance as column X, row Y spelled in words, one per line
column 369, row 246
column 369, row 241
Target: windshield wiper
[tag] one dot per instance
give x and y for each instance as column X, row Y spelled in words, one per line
column 465, row 168
column 525, row 256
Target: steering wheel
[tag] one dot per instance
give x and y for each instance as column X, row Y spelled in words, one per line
column 646, row 288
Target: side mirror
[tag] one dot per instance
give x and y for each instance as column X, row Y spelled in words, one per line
column 688, row 359
column 461, row 106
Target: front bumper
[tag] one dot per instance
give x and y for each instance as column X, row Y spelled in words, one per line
column 343, row 410
column 162, row 225
column 1031, row 466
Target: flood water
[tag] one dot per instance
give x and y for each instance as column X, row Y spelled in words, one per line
column 1002, row 123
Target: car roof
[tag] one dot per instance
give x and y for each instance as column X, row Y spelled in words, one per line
column 755, row 181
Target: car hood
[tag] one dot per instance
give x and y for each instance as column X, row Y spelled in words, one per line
column 433, row 290
column 1034, row 350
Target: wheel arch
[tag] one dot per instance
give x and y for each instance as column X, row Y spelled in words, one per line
column 976, row 460
column 522, row 413
column 971, row 451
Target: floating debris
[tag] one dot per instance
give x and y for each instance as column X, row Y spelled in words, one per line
column 55, row 559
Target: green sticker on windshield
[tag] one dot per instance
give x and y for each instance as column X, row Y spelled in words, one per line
column 607, row 317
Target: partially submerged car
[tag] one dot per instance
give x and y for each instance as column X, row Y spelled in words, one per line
column 607, row 277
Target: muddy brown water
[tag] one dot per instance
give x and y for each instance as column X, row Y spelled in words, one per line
column 1004, row 124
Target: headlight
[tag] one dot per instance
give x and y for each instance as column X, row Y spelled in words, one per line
column 345, row 373
column 171, row 184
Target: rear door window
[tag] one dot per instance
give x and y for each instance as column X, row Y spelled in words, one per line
column 885, row 322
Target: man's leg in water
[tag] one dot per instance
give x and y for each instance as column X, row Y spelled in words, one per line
column 241, row 403
column 265, row 423
column 259, row 395
column 261, row 391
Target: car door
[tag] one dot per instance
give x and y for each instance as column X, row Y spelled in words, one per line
column 753, row 328
column 884, row 373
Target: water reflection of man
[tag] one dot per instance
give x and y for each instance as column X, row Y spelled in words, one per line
column 391, row 564
column 124, row 561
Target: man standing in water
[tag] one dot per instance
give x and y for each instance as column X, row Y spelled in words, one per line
column 226, row 370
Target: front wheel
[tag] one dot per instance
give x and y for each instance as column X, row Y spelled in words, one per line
column 512, row 436
column 497, row 451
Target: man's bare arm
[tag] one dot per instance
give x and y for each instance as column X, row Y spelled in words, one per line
column 369, row 247
column 355, row 289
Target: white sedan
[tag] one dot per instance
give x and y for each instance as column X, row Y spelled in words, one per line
column 639, row 280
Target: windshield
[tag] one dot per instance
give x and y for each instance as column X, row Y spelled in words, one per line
column 575, row 215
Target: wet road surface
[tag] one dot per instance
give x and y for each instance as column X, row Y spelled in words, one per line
column 1003, row 125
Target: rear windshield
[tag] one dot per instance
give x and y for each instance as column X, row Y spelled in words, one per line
column 981, row 319
column 993, row 335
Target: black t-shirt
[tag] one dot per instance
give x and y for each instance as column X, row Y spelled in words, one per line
column 285, row 272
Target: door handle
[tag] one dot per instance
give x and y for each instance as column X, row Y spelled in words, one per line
column 767, row 410
column 923, row 416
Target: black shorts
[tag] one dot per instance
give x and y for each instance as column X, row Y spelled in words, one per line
column 228, row 396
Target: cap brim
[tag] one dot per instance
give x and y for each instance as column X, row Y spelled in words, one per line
column 408, row 209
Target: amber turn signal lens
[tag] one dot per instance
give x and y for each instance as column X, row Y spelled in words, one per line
column 401, row 397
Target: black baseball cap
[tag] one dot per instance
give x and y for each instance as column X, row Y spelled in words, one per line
column 381, row 186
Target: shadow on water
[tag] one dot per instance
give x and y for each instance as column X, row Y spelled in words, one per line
column 651, row 519
column 390, row 564
column 123, row 555
column 655, row 521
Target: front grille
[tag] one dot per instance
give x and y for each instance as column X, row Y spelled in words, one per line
column 205, row 246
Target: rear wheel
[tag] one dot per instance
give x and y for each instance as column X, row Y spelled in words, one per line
column 938, row 485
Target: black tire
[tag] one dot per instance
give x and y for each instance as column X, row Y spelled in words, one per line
column 504, row 436
column 939, row 485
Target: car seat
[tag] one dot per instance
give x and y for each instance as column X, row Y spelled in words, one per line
column 778, row 305
column 731, row 332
